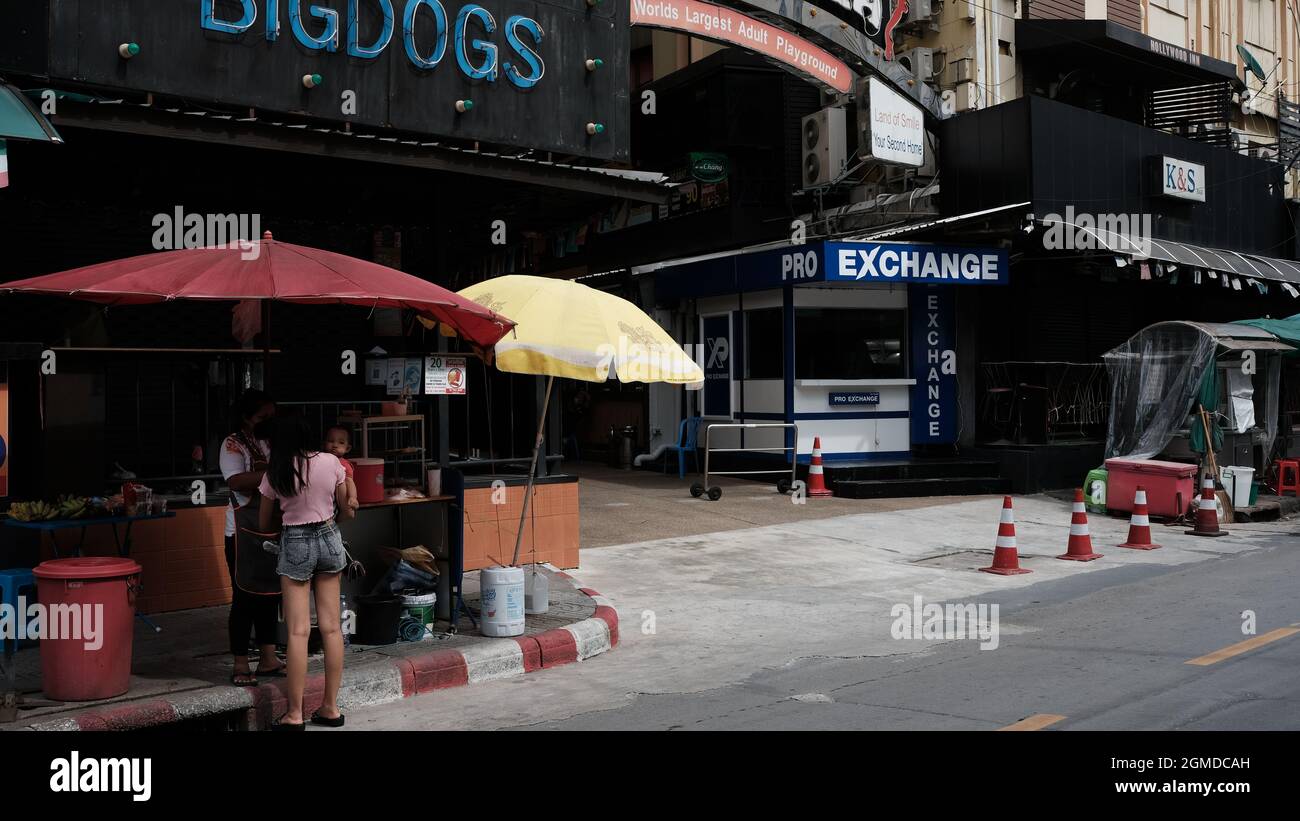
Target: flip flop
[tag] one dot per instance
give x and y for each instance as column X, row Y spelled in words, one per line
column 279, row 727
column 251, row 682
column 317, row 718
column 275, row 672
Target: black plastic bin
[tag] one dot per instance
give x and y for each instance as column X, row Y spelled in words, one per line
column 377, row 619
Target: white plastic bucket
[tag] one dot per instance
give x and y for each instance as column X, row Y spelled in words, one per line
column 501, row 601
column 1237, row 481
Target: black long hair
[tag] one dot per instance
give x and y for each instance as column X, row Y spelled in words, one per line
column 292, row 441
column 247, row 405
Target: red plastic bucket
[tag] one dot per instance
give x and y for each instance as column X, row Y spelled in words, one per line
column 369, row 476
column 88, row 609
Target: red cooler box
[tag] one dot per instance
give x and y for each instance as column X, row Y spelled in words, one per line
column 1167, row 485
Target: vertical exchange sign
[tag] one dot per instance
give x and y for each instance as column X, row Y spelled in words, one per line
column 934, row 364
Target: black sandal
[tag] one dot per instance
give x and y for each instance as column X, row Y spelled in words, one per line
column 275, row 672
column 281, row 727
column 250, row 676
column 317, row 718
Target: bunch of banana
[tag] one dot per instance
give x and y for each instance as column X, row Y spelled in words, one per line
column 71, row 507
column 33, row 511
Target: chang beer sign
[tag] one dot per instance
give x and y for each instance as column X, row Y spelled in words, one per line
column 708, row 168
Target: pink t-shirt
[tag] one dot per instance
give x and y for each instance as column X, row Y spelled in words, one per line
column 315, row 500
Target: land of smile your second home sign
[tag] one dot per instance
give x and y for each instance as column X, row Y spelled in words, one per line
column 321, row 28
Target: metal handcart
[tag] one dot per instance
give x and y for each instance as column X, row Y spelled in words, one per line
column 783, row 484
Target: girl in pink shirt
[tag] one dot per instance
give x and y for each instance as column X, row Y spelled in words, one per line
column 307, row 484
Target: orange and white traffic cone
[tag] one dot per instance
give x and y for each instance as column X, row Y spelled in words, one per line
column 1006, row 561
column 1079, row 548
column 816, row 479
column 1207, row 513
column 1139, row 525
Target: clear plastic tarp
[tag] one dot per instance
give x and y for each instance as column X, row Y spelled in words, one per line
column 1155, row 378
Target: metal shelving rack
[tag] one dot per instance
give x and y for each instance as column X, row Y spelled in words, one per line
column 402, row 444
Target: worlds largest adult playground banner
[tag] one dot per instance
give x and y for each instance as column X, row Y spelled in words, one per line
column 403, row 64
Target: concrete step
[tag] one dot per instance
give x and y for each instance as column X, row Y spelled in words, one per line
column 897, row 488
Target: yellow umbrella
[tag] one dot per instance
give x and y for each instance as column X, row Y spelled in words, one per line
column 568, row 329
column 564, row 328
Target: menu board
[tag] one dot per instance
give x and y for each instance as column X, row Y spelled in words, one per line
column 444, row 375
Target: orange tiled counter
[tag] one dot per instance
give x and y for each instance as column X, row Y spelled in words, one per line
column 182, row 559
column 551, row 527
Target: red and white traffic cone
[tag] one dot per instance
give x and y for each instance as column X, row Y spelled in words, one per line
column 1079, row 548
column 1006, row 561
column 1207, row 513
column 1139, row 525
column 816, row 479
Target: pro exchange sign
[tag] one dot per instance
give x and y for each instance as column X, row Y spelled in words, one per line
column 899, row 262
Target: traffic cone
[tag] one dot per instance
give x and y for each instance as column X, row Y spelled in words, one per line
column 1079, row 548
column 1139, row 525
column 1006, row 561
column 816, row 480
column 1207, row 513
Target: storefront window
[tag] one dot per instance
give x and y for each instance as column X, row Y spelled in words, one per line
column 764, row 352
column 848, row 343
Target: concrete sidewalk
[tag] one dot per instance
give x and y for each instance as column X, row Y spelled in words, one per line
column 182, row 674
column 620, row 507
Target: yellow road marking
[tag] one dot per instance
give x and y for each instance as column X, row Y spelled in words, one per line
column 1244, row 646
column 1034, row 722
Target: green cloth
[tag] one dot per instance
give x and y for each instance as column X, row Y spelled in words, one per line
column 1287, row 330
column 1207, row 397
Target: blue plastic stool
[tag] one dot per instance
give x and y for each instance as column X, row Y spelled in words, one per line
column 15, row 582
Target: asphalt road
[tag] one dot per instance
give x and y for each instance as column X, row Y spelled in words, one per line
column 1106, row 650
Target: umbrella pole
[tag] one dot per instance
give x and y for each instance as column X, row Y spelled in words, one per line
column 532, row 468
column 266, row 345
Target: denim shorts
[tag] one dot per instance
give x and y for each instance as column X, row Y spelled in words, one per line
column 306, row 550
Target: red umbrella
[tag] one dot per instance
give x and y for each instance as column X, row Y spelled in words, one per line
column 267, row 270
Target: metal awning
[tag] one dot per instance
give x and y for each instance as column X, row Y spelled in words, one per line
column 20, row 119
column 941, row 222
column 1089, row 42
column 1193, row 257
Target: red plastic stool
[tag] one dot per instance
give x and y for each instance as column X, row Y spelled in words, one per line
column 1285, row 482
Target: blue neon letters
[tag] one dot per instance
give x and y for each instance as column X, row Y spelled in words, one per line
column 477, row 58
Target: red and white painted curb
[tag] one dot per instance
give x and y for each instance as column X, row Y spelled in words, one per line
column 378, row 682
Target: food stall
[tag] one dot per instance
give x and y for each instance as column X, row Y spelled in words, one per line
column 1166, row 374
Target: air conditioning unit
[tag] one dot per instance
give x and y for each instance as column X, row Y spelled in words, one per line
column 920, row 62
column 825, row 148
column 959, row 71
column 922, row 14
column 1262, row 153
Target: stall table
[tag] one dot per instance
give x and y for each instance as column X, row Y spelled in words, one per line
column 401, row 523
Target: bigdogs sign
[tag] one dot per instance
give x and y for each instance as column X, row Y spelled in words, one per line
column 392, row 63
